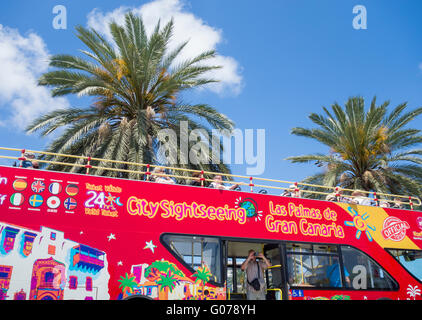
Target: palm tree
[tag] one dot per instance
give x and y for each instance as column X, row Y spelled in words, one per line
column 137, row 85
column 127, row 283
column 413, row 292
column 203, row 275
column 167, row 283
column 371, row 149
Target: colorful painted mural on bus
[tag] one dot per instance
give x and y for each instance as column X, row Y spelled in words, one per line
column 162, row 280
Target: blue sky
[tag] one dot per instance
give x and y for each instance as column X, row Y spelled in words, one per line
column 288, row 58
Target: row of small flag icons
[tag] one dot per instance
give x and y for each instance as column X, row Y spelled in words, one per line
column 36, row 200
column 39, row 186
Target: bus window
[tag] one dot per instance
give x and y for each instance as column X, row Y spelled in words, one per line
column 230, row 274
column 311, row 265
column 274, row 280
column 240, row 276
column 195, row 251
column 235, row 275
column 365, row 273
column 411, row 260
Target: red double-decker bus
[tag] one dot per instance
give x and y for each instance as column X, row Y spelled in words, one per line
column 80, row 236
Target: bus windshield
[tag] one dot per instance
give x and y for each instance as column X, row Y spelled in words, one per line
column 411, row 260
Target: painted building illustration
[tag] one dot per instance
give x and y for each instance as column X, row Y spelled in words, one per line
column 43, row 265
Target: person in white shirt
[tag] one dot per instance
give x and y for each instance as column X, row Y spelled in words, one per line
column 397, row 204
column 218, row 184
column 292, row 192
column 159, row 176
column 384, row 204
column 358, row 197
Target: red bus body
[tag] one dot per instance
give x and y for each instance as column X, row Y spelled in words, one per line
column 71, row 236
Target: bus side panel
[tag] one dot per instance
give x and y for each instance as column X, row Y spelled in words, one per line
column 71, row 236
column 66, row 236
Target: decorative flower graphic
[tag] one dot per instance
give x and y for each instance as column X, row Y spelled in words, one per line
column 360, row 224
column 250, row 206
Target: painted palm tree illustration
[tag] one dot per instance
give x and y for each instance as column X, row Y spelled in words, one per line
column 370, row 149
column 167, row 283
column 413, row 292
column 137, row 85
column 127, row 283
column 203, row 275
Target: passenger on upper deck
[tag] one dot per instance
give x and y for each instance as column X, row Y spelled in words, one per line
column 159, row 176
column 337, row 196
column 292, row 192
column 397, row 204
column 28, row 159
column 358, row 197
column 196, row 179
column 384, row 204
column 35, row 165
column 218, row 184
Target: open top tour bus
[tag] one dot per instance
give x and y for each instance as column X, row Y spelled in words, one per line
column 80, row 236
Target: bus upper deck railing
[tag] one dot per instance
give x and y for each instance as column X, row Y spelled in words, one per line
column 146, row 170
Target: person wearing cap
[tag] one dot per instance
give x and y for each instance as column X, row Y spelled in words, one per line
column 292, row 192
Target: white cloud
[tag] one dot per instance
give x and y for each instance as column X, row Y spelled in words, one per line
column 187, row 26
column 22, row 60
